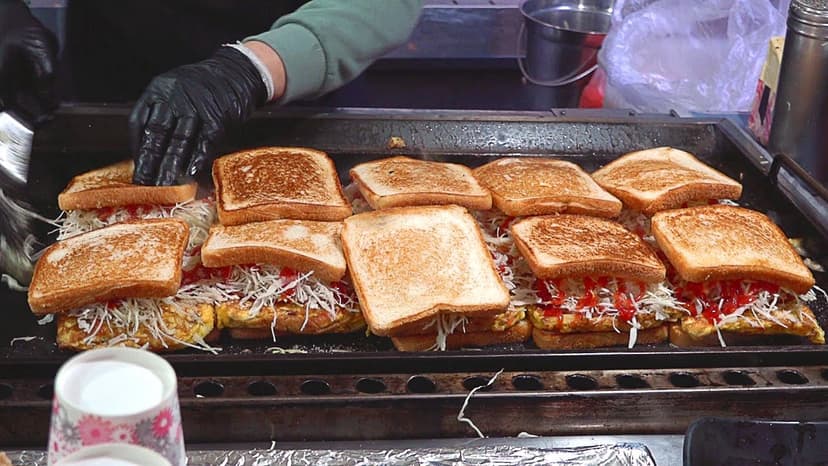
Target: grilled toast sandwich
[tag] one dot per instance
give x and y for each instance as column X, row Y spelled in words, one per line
column 281, row 277
column 540, row 186
column 404, row 181
column 107, row 196
column 737, row 274
column 664, row 178
column 272, row 183
column 595, row 283
column 424, row 269
column 121, row 285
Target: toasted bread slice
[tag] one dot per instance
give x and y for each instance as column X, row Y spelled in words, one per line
column 302, row 245
column 664, row 178
column 410, row 263
column 189, row 325
column 559, row 246
column 518, row 333
column 721, row 242
column 403, row 181
column 540, row 186
column 137, row 259
column 278, row 182
column 112, row 187
column 547, row 340
column 287, row 318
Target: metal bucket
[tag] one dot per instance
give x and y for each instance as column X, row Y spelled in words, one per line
column 562, row 39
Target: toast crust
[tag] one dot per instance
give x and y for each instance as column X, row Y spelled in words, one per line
column 563, row 246
column 278, row 182
column 112, row 187
column 302, row 245
column 286, row 319
column 569, row 341
column 518, row 333
column 539, row 186
column 189, row 325
column 721, row 242
column 664, row 178
column 403, row 181
column 134, row 259
column 411, row 263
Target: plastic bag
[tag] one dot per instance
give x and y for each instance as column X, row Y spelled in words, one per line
column 688, row 55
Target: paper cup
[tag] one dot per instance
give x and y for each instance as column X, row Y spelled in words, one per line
column 116, row 395
column 114, row 454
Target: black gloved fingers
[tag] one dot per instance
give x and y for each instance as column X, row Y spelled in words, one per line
column 179, row 152
column 137, row 122
column 203, row 154
column 154, row 139
column 42, row 58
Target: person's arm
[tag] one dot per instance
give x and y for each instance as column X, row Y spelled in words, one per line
column 327, row 43
column 177, row 124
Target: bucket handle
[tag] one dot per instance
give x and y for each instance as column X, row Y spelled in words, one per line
column 579, row 72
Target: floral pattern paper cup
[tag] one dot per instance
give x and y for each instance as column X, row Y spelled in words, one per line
column 116, row 395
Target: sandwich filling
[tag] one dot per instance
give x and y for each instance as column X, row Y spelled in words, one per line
column 199, row 214
column 259, row 287
column 137, row 319
column 743, row 305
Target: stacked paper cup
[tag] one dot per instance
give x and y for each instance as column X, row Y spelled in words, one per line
column 110, row 397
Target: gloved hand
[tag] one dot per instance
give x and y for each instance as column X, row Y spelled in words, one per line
column 28, row 55
column 184, row 113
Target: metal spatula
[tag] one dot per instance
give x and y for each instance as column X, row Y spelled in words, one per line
column 16, row 216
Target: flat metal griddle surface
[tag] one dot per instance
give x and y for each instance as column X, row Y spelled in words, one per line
column 85, row 138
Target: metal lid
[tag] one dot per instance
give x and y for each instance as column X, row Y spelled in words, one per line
column 812, row 12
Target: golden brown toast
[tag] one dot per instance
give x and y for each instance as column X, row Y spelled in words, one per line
column 286, row 318
column 410, row 263
column 518, row 333
column 664, row 178
column 540, row 186
column 112, row 187
column 302, row 245
column 568, row 341
column 136, row 259
column 189, row 325
column 278, row 182
column 403, row 181
column 559, row 246
column 721, row 242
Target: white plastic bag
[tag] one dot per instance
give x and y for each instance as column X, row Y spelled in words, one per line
column 688, row 55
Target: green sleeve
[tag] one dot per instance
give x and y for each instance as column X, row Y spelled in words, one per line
column 326, row 43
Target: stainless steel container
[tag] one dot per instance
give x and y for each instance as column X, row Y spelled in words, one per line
column 800, row 121
column 563, row 38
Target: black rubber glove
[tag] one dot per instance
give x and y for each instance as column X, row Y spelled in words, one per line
column 28, row 55
column 184, row 113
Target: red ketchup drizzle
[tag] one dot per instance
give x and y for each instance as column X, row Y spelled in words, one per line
column 289, row 275
column 552, row 308
column 504, row 225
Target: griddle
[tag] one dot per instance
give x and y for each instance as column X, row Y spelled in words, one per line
column 355, row 387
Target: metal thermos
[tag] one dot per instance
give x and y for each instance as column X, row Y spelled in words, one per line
column 800, row 119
